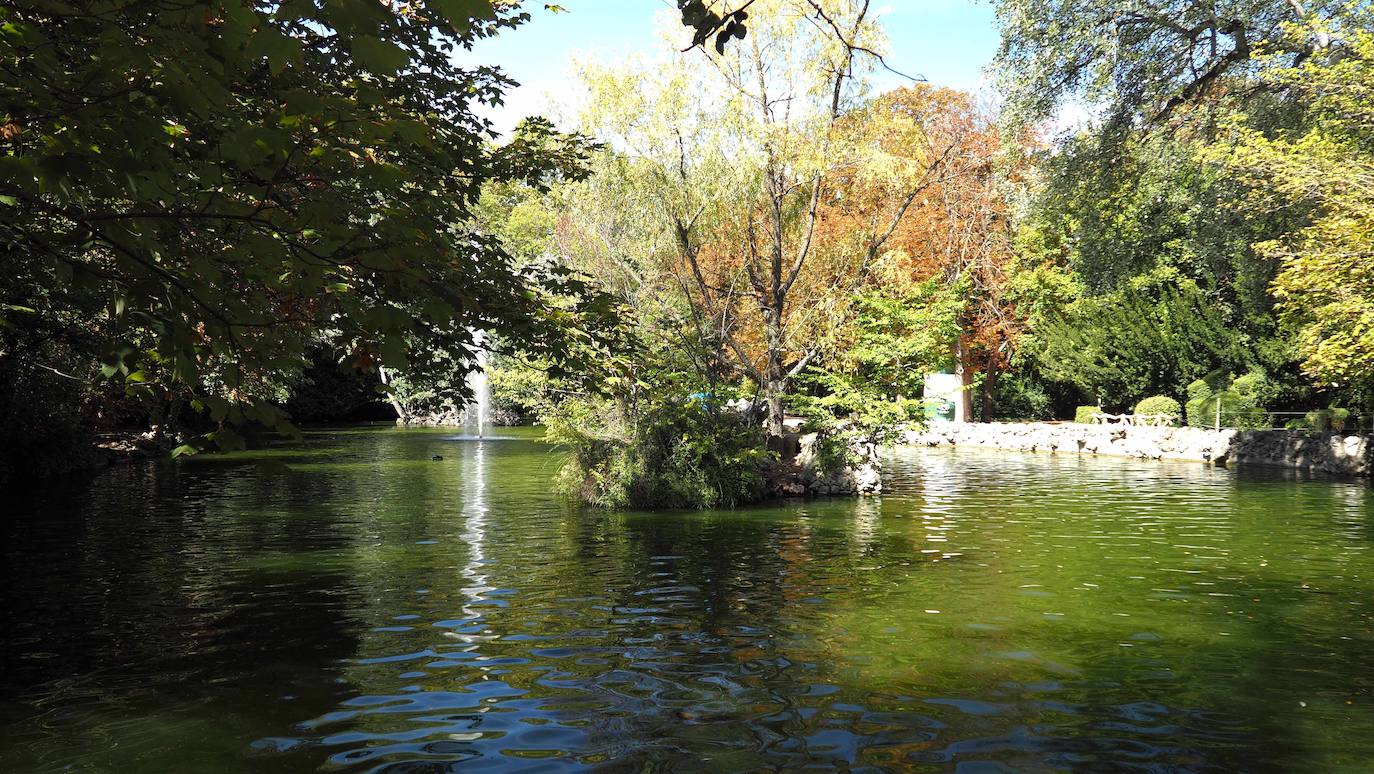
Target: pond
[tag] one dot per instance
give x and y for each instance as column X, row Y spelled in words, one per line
column 370, row 608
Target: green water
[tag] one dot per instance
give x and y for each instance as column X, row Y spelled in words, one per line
column 373, row 609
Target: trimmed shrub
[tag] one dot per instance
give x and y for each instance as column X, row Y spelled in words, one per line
column 1198, row 394
column 1084, row 414
column 1239, row 403
column 1161, row 404
column 1198, row 390
column 1250, row 385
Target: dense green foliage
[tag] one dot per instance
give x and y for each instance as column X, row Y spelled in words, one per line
column 196, row 193
column 1234, row 402
column 1325, row 165
column 1126, row 345
column 1160, row 404
column 1212, row 210
column 672, row 454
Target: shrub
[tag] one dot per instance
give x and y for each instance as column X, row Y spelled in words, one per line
column 1240, row 402
column 1020, row 396
column 1160, row 404
column 1339, row 418
column 1198, row 393
column 1198, row 390
column 1319, row 419
column 1084, row 414
column 828, row 399
column 666, row 455
column 1250, row 385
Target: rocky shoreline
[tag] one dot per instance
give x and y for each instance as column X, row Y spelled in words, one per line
column 457, row 417
column 804, row 475
column 1324, row 452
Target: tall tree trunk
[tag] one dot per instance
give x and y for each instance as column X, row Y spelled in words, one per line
column 776, row 382
column 993, row 371
column 963, row 403
column 773, row 395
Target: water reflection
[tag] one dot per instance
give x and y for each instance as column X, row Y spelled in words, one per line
column 376, row 609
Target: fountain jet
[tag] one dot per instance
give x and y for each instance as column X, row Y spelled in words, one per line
column 477, row 414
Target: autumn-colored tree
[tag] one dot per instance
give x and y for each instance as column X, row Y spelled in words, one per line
column 956, row 232
column 737, row 152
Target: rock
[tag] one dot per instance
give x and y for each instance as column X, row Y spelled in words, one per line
column 802, row 474
column 1326, row 452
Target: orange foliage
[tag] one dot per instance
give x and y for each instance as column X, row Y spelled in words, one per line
column 957, row 230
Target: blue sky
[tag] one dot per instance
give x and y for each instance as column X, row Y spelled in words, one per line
column 949, row 42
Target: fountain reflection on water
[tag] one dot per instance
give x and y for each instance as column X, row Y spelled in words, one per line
column 474, row 534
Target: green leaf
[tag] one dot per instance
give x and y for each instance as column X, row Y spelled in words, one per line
column 460, row 13
column 378, row 55
column 393, row 351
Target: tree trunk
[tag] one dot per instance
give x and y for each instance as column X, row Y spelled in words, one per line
column 401, row 412
column 963, row 403
column 773, row 395
column 990, row 386
column 776, row 377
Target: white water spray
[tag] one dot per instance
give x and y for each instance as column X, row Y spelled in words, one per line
column 476, row 416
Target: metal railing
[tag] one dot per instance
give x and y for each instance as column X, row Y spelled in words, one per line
column 1135, row 420
column 1269, row 420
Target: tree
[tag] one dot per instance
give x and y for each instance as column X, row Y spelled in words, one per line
column 1144, row 63
column 1153, row 336
column 740, row 188
column 958, row 232
column 1326, row 284
column 195, row 191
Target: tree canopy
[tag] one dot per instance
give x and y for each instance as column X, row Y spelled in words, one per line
column 196, row 191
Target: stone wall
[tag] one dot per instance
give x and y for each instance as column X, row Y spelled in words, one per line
column 800, row 472
column 456, row 417
column 1321, row 452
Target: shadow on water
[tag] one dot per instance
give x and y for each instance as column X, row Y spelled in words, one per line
column 374, row 608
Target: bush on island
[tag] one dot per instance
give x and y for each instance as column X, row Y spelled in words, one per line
column 661, row 454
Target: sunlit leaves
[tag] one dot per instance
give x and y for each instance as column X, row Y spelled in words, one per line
column 1326, row 286
column 247, row 178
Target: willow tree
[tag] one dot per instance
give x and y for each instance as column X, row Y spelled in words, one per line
column 738, row 150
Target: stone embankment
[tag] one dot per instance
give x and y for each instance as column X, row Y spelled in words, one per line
column 805, row 473
column 457, row 417
column 1337, row 453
